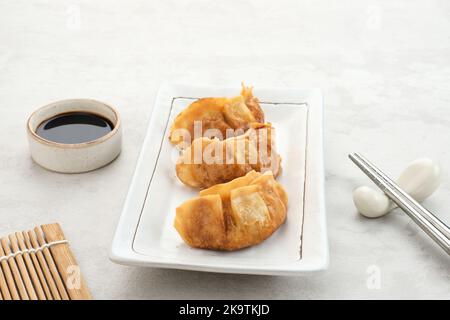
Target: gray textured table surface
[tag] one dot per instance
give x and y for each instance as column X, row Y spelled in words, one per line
column 384, row 68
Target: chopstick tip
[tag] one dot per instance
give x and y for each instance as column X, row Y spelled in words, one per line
column 352, row 156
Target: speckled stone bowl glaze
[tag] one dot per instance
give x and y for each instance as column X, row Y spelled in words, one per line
column 77, row 157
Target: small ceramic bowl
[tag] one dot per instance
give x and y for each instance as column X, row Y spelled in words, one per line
column 77, row 157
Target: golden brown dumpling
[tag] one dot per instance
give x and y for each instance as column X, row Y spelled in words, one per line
column 233, row 215
column 211, row 161
column 221, row 114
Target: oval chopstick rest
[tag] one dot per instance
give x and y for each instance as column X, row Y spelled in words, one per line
column 419, row 179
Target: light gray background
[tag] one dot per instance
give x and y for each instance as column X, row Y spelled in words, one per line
column 383, row 67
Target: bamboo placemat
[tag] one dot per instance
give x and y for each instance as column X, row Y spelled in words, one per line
column 39, row 265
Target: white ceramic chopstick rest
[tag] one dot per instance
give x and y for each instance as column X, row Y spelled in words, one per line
column 420, row 179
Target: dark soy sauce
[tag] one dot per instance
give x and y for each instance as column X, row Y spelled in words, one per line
column 74, row 127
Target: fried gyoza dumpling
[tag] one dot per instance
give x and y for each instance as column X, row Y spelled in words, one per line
column 211, row 161
column 233, row 215
column 220, row 114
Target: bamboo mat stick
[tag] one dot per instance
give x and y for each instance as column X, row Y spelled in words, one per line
column 9, row 277
column 4, row 285
column 39, row 265
column 4, row 291
column 38, row 292
column 15, row 271
column 24, row 238
column 51, row 264
column 66, row 263
column 22, row 268
column 44, row 266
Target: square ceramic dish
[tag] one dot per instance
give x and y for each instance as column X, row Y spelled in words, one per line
column 145, row 235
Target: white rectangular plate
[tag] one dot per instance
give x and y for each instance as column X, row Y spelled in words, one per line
column 145, row 235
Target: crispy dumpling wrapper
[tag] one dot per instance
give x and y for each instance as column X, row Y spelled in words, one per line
column 216, row 115
column 233, row 215
column 207, row 162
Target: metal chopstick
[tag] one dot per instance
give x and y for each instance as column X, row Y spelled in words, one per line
column 426, row 220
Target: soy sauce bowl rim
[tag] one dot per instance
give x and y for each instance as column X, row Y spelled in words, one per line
column 117, row 124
